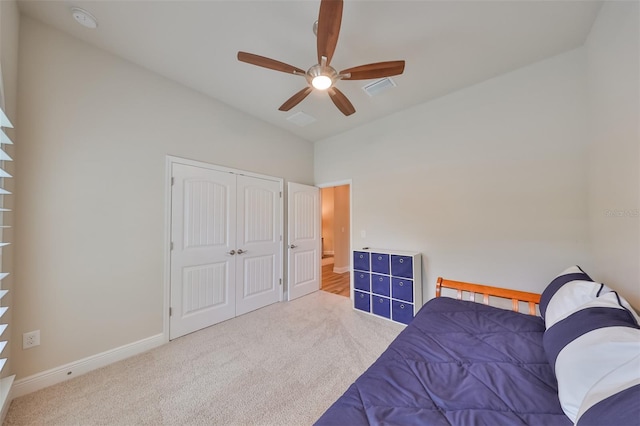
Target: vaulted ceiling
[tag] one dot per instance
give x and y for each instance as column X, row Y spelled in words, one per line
column 447, row 45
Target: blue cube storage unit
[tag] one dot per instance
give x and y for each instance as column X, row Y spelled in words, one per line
column 361, row 261
column 380, row 263
column 381, row 284
column 362, row 301
column 381, row 306
column 387, row 283
column 362, row 281
column 402, row 289
column 402, row 312
column 401, row 266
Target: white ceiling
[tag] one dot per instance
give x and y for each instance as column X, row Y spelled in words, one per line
column 447, row 45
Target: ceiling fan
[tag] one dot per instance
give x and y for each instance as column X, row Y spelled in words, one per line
column 322, row 76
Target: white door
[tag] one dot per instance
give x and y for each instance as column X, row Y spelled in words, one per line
column 304, row 240
column 203, row 226
column 258, row 243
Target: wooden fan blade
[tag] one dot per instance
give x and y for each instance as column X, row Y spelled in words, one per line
column 341, row 101
column 272, row 64
column 295, row 99
column 329, row 20
column 376, row 70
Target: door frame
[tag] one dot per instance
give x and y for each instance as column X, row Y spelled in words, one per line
column 170, row 160
column 331, row 185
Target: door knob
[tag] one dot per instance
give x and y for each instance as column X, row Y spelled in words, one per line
column 232, row 252
column 240, row 251
column 293, row 246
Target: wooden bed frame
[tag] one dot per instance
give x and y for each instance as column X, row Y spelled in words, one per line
column 516, row 296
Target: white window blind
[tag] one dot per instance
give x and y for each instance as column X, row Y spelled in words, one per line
column 4, row 157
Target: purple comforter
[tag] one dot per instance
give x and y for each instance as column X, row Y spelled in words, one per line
column 457, row 363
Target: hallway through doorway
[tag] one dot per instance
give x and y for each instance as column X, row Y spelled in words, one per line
column 336, row 220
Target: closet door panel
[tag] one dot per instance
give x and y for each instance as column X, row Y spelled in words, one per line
column 258, row 243
column 202, row 229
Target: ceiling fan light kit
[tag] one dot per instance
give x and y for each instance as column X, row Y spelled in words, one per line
column 322, row 82
column 322, row 76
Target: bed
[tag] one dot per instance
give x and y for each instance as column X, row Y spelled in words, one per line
column 460, row 362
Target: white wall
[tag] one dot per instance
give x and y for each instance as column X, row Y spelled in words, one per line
column 489, row 183
column 613, row 50
column 91, row 172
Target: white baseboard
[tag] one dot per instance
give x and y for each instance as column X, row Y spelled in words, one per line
column 68, row 371
column 341, row 270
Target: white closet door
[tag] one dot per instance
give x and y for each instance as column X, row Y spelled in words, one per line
column 258, row 258
column 304, row 239
column 203, row 224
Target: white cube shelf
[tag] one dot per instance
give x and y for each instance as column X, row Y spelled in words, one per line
column 387, row 283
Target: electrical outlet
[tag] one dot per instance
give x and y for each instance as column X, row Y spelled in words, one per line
column 31, row 339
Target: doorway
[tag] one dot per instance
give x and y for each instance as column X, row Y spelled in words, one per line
column 336, row 232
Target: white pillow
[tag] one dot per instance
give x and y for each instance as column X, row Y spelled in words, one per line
column 571, row 288
column 591, row 346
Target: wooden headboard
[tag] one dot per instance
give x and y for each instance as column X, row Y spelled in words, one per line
column 516, row 296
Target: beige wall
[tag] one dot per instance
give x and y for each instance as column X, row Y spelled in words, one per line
column 489, row 183
column 336, row 225
column 614, row 187
column 341, row 229
column 91, row 176
column 327, row 220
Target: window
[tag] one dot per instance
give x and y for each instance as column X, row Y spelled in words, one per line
column 5, row 383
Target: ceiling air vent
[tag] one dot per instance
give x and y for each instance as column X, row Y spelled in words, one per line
column 379, row 86
column 301, row 119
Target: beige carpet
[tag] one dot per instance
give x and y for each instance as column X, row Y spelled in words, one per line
column 280, row 365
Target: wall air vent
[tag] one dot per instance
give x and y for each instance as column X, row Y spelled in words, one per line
column 301, row 119
column 379, row 86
